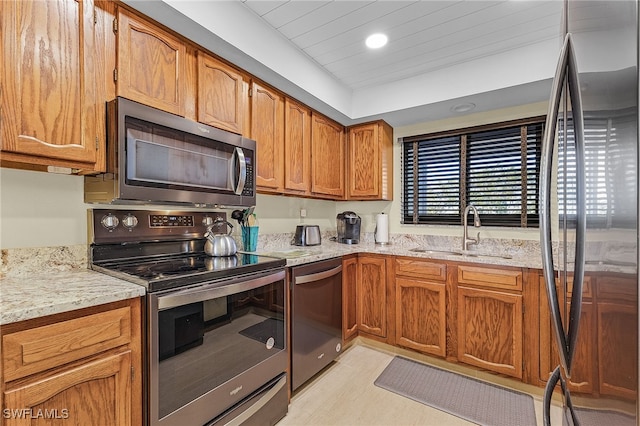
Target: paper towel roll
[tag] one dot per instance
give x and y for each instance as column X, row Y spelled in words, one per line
column 382, row 229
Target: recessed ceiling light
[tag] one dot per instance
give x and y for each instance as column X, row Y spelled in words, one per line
column 464, row 107
column 376, row 41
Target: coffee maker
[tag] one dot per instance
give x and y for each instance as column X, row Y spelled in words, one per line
column 348, row 228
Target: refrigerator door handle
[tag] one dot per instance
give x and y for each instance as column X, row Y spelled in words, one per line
column 546, row 162
column 581, row 214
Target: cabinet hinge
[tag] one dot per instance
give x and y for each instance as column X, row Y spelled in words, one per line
column 97, row 143
column 115, row 25
column 133, row 374
column 95, row 17
column 115, row 74
column 250, row 92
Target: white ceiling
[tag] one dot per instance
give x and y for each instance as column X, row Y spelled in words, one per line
column 494, row 54
column 424, row 36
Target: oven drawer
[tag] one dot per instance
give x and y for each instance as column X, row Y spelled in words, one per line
column 38, row 349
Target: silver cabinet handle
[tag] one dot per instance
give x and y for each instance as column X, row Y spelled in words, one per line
column 239, row 153
column 302, row 279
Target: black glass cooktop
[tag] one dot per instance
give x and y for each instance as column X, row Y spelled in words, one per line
column 159, row 273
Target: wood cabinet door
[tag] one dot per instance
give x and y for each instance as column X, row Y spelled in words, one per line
column 372, row 295
column 327, row 157
column 363, row 166
column 267, row 129
column 221, row 98
column 349, row 298
column 151, row 66
column 297, row 147
column 490, row 330
column 95, row 393
column 421, row 316
column 49, row 103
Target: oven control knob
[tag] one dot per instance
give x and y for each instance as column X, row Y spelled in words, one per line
column 129, row 221
column 110, row 222
column 207, row 221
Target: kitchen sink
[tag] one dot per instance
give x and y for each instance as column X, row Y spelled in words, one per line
column 460, row 253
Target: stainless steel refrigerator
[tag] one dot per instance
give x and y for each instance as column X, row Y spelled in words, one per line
column 589, row 219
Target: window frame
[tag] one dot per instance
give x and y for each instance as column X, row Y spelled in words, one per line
column 526, row 220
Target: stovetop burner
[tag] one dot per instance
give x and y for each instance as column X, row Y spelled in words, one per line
column 167, row 256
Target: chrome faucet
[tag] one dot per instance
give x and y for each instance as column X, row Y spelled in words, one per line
column 476, row 222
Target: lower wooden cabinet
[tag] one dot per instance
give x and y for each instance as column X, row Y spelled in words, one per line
column 420, row 305
column 421, row 316
column 349, row 297
column 96, row 392
column 490, row 330
column 372, row 295
column 76, row 368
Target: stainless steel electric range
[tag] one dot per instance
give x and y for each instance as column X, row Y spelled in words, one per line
column 215, row 338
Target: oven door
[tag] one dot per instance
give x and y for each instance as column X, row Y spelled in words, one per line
column 212, row 346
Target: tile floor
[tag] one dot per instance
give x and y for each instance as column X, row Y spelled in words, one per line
column 344, row 394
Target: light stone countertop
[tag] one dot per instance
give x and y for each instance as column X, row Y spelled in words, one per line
column 25, row 297
column 26, row 292
column 516, row 253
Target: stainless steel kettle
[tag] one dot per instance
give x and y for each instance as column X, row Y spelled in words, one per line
column 220, row 244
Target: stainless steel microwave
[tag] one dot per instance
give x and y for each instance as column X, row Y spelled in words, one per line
column 154, row 157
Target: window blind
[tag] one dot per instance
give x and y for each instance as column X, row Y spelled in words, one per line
column 494, row 168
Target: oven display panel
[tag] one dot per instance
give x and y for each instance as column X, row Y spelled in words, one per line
column 170, row 221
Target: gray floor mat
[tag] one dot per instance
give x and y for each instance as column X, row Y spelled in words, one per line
column 461, row 396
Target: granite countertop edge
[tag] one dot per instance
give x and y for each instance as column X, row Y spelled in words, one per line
column 42, row 294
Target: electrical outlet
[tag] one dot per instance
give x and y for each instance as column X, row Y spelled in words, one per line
column 303, row 212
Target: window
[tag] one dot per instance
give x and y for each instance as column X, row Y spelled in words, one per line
column 495, row 168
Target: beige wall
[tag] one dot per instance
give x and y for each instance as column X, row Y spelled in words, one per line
column 42, row 209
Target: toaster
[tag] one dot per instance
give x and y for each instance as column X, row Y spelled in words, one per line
column 307, row 235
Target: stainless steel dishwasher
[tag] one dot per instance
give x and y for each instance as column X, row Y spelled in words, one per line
column 316, row 318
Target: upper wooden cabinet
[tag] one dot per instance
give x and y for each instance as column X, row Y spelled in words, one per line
column 267, row 129
column 370, row 162
column 327, row 158
column 221, row 94
column 151, row 64
column 297, row 148
column 51, row 113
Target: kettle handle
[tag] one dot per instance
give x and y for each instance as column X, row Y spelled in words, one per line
column 218, row 221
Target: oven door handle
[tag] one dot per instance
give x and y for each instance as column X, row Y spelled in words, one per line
column 303, row 279
column 264, row 399
column 211, row 291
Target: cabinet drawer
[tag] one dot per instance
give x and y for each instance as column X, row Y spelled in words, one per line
column 38, row 349
column 421, row 269
column 507, row 279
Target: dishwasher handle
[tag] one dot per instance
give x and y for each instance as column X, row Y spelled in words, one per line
column 303, row 279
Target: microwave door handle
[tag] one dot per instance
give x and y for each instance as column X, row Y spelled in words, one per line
column 242, row 178
column 581, row 215
column 546, row 170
